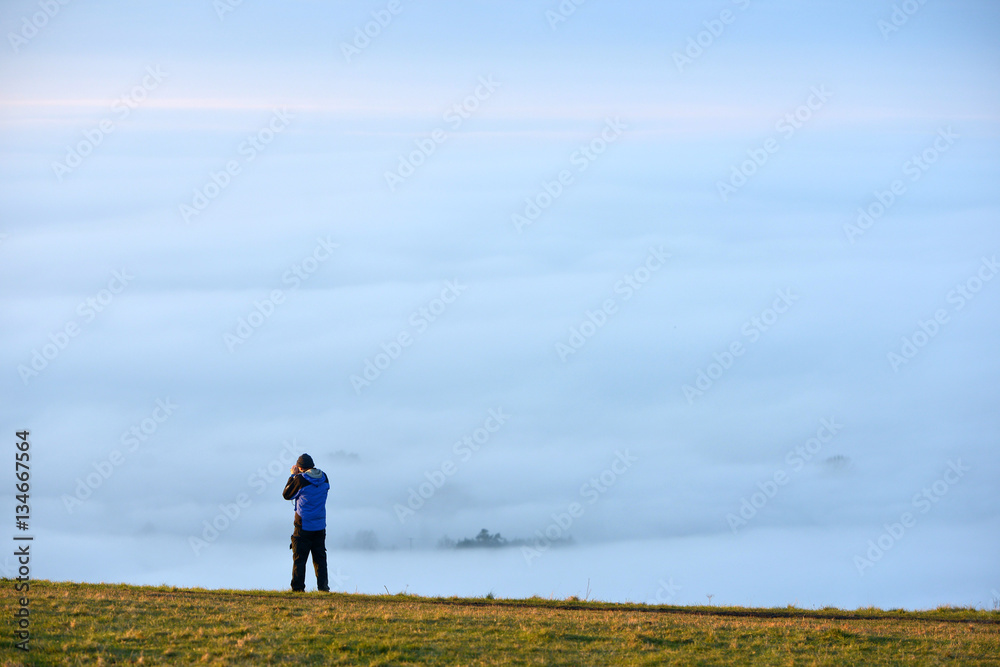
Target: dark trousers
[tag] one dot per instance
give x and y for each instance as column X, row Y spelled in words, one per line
column 305, row 542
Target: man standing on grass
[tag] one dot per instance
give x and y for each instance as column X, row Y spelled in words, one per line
column 308, row 487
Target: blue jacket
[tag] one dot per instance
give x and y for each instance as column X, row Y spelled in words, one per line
column 308, row 489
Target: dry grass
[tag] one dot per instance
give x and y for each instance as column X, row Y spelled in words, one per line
column 104, row 624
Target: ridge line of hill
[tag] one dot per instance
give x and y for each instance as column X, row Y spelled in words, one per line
column 940, row 615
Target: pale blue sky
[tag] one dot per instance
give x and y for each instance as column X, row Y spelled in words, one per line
column 321, row 176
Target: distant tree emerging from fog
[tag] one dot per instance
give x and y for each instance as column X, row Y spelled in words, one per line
column 341, row 456
column 483, row 539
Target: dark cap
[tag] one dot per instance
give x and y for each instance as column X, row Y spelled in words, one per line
column 305, row 462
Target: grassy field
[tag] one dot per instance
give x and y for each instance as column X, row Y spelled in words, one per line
column 95, row 624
